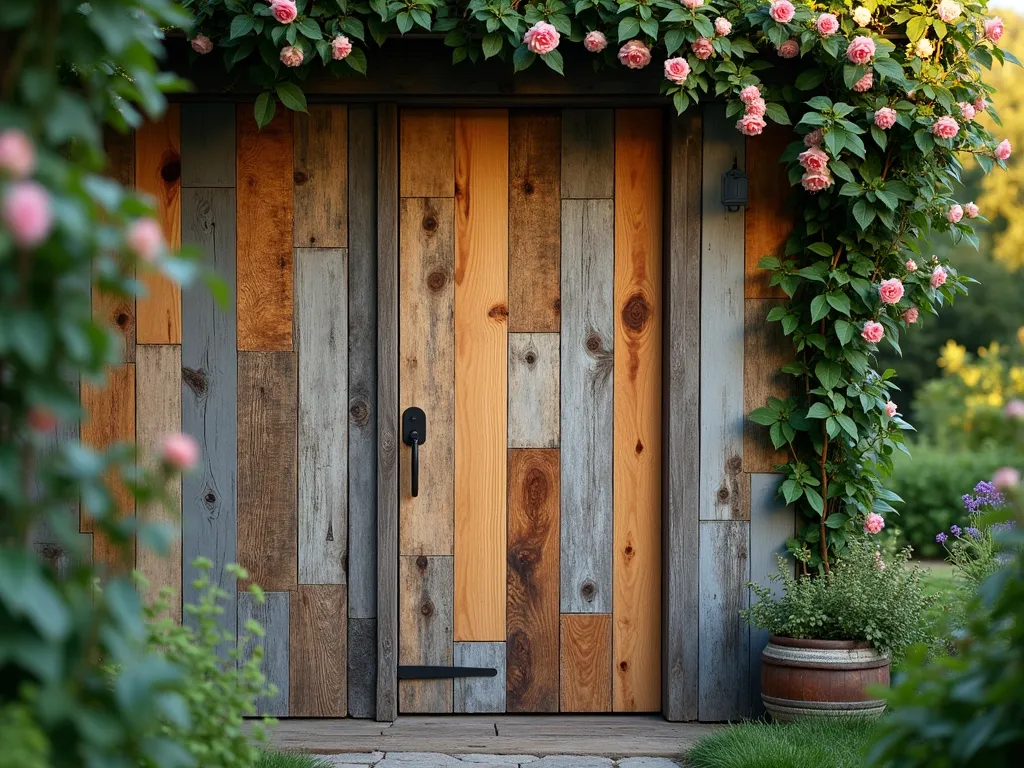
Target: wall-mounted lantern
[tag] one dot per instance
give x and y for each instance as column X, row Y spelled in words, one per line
column 734, row 188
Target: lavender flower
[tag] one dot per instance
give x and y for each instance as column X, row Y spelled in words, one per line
column 941, row 538
column 955, row 530
column 973, row 532
column 985, row 495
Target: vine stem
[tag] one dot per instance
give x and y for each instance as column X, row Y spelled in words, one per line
column 824, row 506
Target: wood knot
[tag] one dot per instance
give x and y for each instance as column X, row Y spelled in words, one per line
column 734, row 465
column 639, row 447
column 536, row 487
column 436, row 280
column 528, row 188
column 196, row 380
column 588, row 591
column 557, row 305
column 628, row 551
column 430, row 224
column 498, row 312
column 421, row 563
column 594, row 343
column 359, row 413
column 121, row 319
column 427, row 608
column 530, row 358
column 636, row 313
column 723, row 494
column 210, row 498
column 300, row 177
column 623, row 665
column 170, row 171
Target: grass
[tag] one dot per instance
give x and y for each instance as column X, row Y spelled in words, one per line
column 290, row 760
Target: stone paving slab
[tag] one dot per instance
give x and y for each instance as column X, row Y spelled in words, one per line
column 441, row 760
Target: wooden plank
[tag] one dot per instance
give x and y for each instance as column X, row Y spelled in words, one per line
column 321, row 319
column 532, row 612
column 208, row 393
column 724, row 638
column 768, row 218
column 481, row 372
column 681, row 460
column 158, row 414
column 533, row 392
column 319, row 616
column 427, row 619
column 427, row 358
column 267, row 518
column 117, row 312
column 265, row 204
column 362, row 382
column 321, row 177
column 272, row 615
column 158, row 173
column 586, row 662
column 588, row 334
column 721, row 392
column 588, row 153
column 636, row 684
column 428, row 153
column 474, row 695
column 362, row 666
column 208, row 130
column 534, row 303
column 765, row 351
column 120, row 161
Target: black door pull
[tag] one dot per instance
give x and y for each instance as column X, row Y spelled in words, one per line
column 414, row 434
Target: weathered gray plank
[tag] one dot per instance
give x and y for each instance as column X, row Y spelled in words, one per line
column 426, row 631
column 362, row 373
column 681, row 457
column 588, row 151
column 362, row 667
column 209, row 392
column 587, row 340
column 533, row 394
column 272, row 615
column 208, row 131
column 321, row 316
column 724, row 637
column 480, row 694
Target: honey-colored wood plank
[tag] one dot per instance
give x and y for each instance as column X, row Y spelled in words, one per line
column 481, row 372
column 158, row 414
column 535, row 146
column 158, row 173
column 427, row 372
column 765, row 351
column 533, row 394
column 318, row 650
column 533, row 577
column 321, row 177
column 636, row 612
column 267, row 519
column 426, row 619
column 768, row 220
column 265, row 205
column 586, row 662
column 112, row 311
column 428, row 153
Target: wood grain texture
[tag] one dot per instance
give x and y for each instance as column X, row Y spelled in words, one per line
column 362, row 384
column 158, row 414
column 586, row 662
column 321, row 177
column 267, row 519
column 768, row 219
column 158, row 173
column 533, row 390
column 319, row 617
column 427, row 234
column 321, row 319
column 765, row 351
column 209, row 391
column 208, row 129
column 724, row 638
column 362, row 666
column 272, row 615
column 117, row 312
column 533, row 576
column 588, row 153
column 636, row 683
column 481, row 372
column 119, row 149
column 426, row 621
column 265, row 205
column 588, row 337
column 428, row 153
column 476, row 695
column 721, row 392
column 681, row 465
column 534, row 154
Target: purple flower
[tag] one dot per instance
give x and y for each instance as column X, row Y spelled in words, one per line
column 985, row 495
column 941, row 538
column 973, row 532
column 955, row 530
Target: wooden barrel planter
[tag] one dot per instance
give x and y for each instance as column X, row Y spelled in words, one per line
column 821, row 678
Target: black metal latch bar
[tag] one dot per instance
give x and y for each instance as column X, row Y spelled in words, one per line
column 443, row 673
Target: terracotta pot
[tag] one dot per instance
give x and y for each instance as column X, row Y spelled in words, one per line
column 821, row 678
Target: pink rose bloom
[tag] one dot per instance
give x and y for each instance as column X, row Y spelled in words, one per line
column 872, row 332
column 948, row 10
column 750, row 94
column 891, row 290
column 814, row 160
column 291, row 56
column 938, row 278
column 911, row 265
column 1014, row 409
column 283, row 10
column 874, row 523
column 890, row 409
column 814, row 138
column 911, row 315
column 702, row 48
column 341, row 47
column 955, row 213
column 145, row 238
column 994, row 29
column 635, row 54
column 865, row 83
column 972, row 210
column 541, row 38
column 816, row 181
column 722, row 26
column 789, row 49
column 782, row 11
column 692, row 4
column 595, row 41
column 885, row 118
column 827, row 25
column 180, row 452
column 967, row 110
column 860, row 50
column 677, row 69
column 41, row 419
column 1006, row 478
column 757, row 108
column 945, row 128
column 201, row 44
column 751, row 125
column 1003, row 150
column 26, row 212
column 979, row 104
column 17, row 155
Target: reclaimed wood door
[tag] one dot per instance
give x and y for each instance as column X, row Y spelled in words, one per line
column 530, row 312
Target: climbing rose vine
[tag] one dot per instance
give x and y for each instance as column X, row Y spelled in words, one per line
column 883, row 100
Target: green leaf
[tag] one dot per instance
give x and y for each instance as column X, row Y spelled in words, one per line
column 492, row 44
column 777, row 113
column 819, row 411
column 404, row 22
column 819, row 308
column 554, row 61
column 791, row 491
column 839, row 301
column 863, row 213
column 829, row 373
column 264, row 109
column 628, row 29
column 810, row 79
column 822, row 249
column 309, row 28
column 357, row 60
column 522, row 58
column 764, row 416
column 814, row 499
column 879, row 136
column 845, row 331
column 889, row 69
column 241, row 25
column 820, row 103
column 291, row 96
column 848, row 425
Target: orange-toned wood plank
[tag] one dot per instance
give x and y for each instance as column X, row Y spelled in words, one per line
column 321, row 177
column 765, row 351
column 317, row 651
column 428, row 153
column 768, row 221
column 586, row 663
column 481, row 372
column 118, row 312
column 264, row 195
column 158, row 173
column 636, row 607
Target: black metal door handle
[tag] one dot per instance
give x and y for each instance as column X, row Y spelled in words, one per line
column 414, row 434
column 415, row 464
